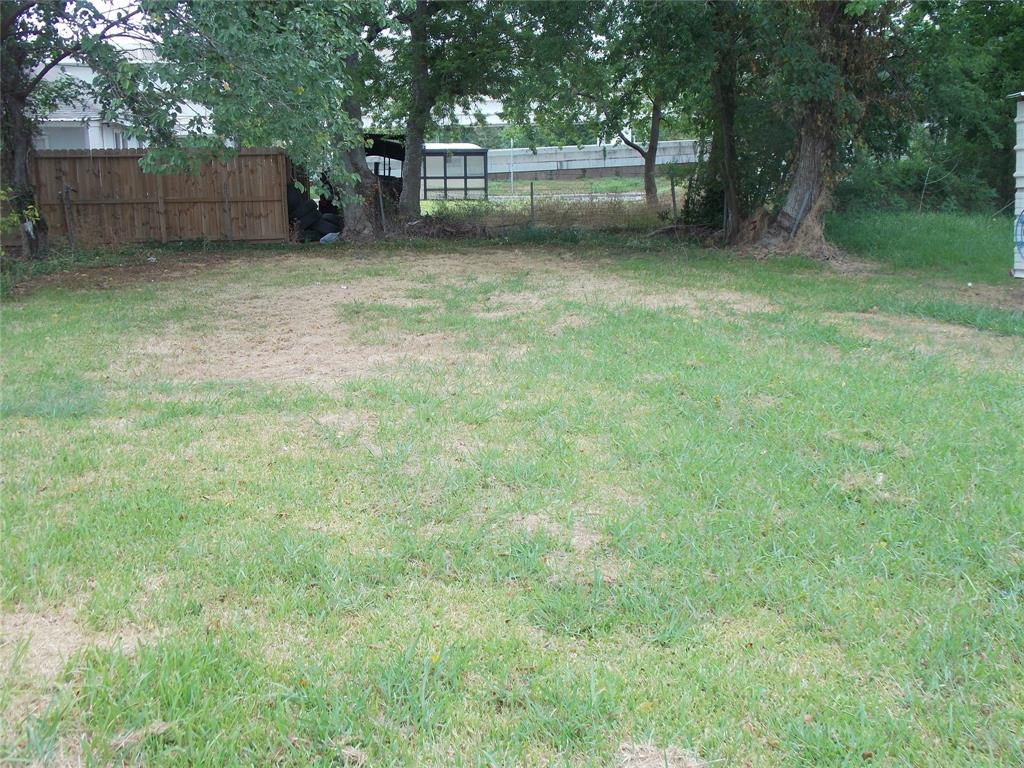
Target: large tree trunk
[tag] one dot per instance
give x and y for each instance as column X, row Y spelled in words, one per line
column 359, row 213
column 651, row 156
column 17, row 150
column 809, row 177
column 359, row 216
column 723, row 78
column 798, row 226
column 421, row 102
column 412, row 168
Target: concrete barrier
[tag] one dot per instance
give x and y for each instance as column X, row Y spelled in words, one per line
column 582, row 162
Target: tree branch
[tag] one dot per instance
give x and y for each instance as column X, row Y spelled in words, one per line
column 18, row 10
column 633, row 145
column 76, row 48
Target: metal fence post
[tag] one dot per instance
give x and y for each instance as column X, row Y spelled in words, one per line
column 533, row 218
column 675, row 212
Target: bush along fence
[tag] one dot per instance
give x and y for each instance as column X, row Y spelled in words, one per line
column 103, row 198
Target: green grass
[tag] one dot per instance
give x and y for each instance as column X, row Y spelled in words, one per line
column 967, row 247
column 595, row 185
column 629, row 492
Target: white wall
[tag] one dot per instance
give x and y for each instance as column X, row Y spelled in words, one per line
column 83, row 136
column 63, row 137
column 523, row 160
column 1019, row 148
column 61, row 133
column 1018, row 251
column 554, row 159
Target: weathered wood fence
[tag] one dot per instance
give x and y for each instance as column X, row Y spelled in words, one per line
column 102, row 197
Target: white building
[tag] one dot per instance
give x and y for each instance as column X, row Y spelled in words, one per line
column 80, row 125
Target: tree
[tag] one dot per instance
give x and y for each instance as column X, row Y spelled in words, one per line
column 967, row 57
column 35, row 38
column 726, row 32
column 835, row 68
column 438, row 55
column 619, row 69
column 653, row 55
column 302, row 93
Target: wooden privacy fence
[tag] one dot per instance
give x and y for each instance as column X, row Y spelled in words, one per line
column 102, row 197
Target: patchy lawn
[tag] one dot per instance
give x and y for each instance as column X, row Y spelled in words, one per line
column 538, row 506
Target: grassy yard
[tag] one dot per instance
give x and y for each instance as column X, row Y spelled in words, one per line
column 611, row 503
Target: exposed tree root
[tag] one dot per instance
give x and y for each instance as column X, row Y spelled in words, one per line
column 768, row 237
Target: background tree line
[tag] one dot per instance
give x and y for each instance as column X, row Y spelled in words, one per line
column 862, row 102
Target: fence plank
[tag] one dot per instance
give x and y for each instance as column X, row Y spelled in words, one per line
column 113, row 201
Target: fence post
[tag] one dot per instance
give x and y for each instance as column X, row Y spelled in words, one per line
column 533, row 219
column 675, row 212
column 69, row 227
column 688, row 198
column 227, row 206
column 161, row 207
column 380, row 201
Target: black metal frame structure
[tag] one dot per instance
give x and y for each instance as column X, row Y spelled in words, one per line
column 450, row 179
column 454, row 182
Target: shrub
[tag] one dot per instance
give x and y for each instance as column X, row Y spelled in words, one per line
column 910, row 183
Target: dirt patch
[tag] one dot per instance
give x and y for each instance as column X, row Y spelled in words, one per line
column 534, row 523
column 966, row 346
column 699, row 301
column 1005, row 296
column 651, row 756
column 292, row 335
column 35, row 648
column 52, row 638
column 139, row 269
column 845, row 264
column 353, row 322
column 580, row 562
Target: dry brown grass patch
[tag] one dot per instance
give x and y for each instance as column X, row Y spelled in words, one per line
column 1009, row 295
column 966, row 346
column 701, row 300
column 652, row 756
column 581, row 561
column 287, row 336
column 54, row 637
column 36, row 647
column 300, row 334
